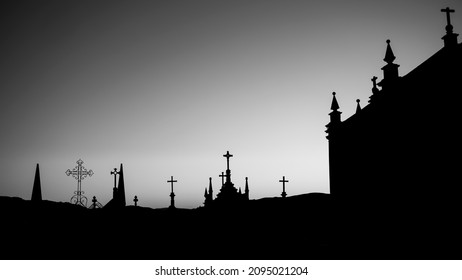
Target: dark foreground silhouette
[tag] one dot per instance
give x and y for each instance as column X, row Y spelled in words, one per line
column 312, row 226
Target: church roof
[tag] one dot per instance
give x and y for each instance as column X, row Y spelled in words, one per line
column 412, row 89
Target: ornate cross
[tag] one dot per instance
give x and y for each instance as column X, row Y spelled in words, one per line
column 227, row 156
column 79, row 173
column 284, row 181
column 115, row 172
column 222, row 178
column 448, row 16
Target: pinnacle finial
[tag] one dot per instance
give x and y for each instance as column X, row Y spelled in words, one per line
column 389, row 56
column 358, row 107
column 334, row 106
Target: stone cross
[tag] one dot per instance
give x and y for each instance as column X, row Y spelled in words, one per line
column 374, row 81
column 283, row 181
column 172, row 195
column 115, row 173
column 172, row 181
column 135, row 200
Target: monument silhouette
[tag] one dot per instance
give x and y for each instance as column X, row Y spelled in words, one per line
column 172, row 194
column 118, row 193
column 37, row 188
column 394, row 192
column 229, row 196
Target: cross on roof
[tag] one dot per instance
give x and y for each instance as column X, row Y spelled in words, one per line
column 448, row 11
column 374, row 81
column 172, row 181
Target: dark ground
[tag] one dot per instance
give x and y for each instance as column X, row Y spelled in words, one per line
column 311, row 226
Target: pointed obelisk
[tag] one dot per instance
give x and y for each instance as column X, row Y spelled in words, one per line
column 121, row 188
column 37, row 188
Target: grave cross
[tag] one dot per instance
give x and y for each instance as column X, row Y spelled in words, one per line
column 135, row 200
column 227, row 156
column 95, row 204
column 172, row 181
column 283, row 181
column 448, row 16
column 115, row 173
column 79, row 173
column 172, row 195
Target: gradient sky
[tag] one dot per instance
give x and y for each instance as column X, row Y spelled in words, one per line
column 167, row 87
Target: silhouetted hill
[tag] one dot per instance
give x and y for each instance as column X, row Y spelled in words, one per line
column 55, row 230
column 308, row 226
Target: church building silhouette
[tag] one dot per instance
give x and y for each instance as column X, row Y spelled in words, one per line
column 402, row 149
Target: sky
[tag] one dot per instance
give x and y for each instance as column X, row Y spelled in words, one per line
column 168, row 87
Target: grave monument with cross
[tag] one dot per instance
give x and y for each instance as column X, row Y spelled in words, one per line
column 95, row 204
column 228, row 193
column 284, row 181
column 118, row 191
column 172, row 194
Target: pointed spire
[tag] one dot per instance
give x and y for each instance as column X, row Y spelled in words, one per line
column 335, row 118
column 210, row 186
column 37, row 188
column 390, row 71
column 334, row 106
column 246, row 192
column 389, row 56
column 205, row 193
column 335, row 114
column 358, row 107
column 240, row 192
column 121, row 187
